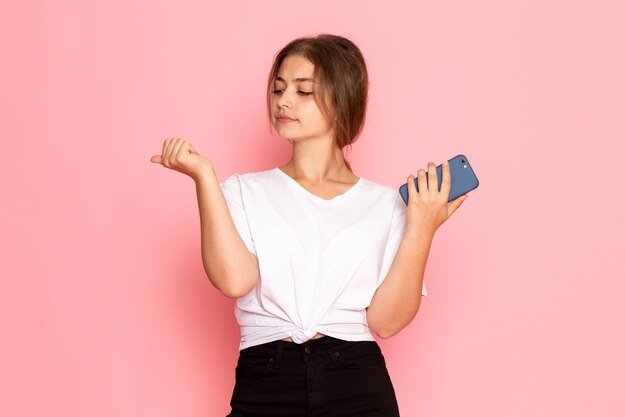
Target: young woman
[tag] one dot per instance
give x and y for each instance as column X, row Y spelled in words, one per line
column 318, row 258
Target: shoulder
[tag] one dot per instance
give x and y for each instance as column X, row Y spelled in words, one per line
column 268, row 175
column 382, row 192
column 236, row 179
column 383, row 199
column 375, row 186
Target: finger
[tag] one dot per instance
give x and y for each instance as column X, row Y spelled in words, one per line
column 165, row 152
column 164, row 147
column 178, row 144
column 157, row 159
column 433, row 185
column 421, row 181
column 410, row 184
column 446, row 181
column 455, row 204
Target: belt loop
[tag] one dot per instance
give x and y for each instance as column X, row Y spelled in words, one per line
column 274, row 362
column 331, row 349
column 279, row 351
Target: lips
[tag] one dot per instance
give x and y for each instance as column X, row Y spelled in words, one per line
column 284, row 118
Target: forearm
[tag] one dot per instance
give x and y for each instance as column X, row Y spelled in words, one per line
column 228, row 263
column 398, row 298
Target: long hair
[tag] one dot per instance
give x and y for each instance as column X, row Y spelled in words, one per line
column 340, row 69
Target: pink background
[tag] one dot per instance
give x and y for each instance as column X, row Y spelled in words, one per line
column 104, row 307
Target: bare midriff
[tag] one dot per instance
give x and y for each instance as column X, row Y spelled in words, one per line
column 317, row 336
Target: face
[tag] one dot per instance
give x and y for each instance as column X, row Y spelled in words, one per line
column 296, row 115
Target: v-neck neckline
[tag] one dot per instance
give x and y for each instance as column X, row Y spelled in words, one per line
column 315, row 196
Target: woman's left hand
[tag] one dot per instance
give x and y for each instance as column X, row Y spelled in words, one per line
column 429, row 208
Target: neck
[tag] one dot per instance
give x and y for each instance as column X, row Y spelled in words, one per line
column 317, row 161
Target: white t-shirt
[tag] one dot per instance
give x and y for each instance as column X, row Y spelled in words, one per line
column 320, row 261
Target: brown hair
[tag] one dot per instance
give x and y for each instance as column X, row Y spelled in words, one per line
column 342, row 74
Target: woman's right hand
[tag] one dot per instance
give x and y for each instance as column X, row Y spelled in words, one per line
column 179, row 155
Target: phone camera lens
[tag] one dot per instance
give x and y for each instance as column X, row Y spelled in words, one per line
column 463, row 161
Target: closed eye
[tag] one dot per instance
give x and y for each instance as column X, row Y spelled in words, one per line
column 302, row 93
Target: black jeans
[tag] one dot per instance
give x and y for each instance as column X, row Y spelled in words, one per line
column 324, row 377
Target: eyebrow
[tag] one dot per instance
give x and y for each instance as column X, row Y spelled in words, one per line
column 279, row 78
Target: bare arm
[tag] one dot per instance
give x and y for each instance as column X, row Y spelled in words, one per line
column 228, row 263
column 398, row 298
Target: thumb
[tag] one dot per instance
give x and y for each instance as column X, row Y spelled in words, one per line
column 456, row 204
column 156, row 158
column 191, row 150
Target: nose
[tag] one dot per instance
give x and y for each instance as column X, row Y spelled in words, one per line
column 284, row 100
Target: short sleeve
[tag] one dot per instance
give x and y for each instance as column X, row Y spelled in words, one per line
column 231, row 188
column 396, row 231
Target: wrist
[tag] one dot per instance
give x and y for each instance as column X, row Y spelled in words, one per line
column 419, row 233
column 204, row 173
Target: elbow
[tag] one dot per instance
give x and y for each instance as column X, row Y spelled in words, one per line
column 233, row 292
column 383, row 330
column 232, row 288
column 389, row 326
column 235, row 282
column 235, row 289
column 386, row 333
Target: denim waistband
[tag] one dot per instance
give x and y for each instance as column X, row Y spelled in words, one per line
column 326, row 345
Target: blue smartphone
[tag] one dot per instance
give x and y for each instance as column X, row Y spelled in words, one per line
column 462, row 179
